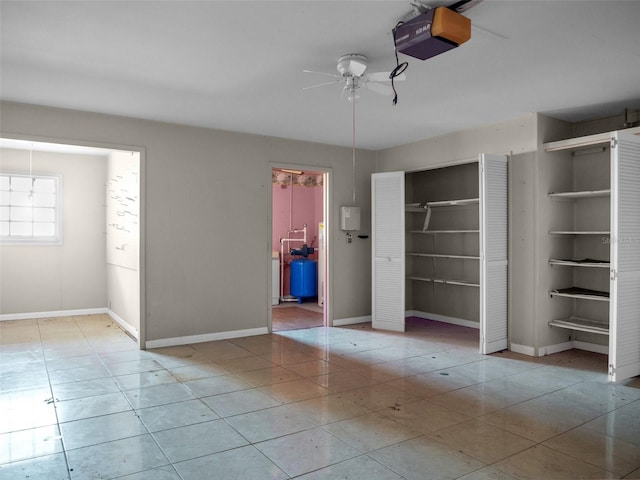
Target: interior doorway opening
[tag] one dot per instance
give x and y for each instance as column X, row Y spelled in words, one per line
column 96, row 265
column 299, row 249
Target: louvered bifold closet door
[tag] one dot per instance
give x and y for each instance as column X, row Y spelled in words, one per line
column 387, row 191
column 624, row 310
column 493, row 253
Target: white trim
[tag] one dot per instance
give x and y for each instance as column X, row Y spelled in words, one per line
column 206, row 337
column 442, row 318
column 556, row 348
column 577, row 344
column 591, row 347
column 523, row 349
column 125, row 326
column 339, row 322
column 52, row 314
column 559, row 347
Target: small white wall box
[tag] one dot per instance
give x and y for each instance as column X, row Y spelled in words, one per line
column 349, row 218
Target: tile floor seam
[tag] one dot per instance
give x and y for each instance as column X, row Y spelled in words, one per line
column 53, row 402
column 544, row 444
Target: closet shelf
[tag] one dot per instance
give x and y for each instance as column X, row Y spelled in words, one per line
column 579, row 232
column 440, row 255
column 444, row 231
column 464, row 283
column 454, row 203
column 586, row 262
column 582, row 293
column 581, row 194
column 581, row 324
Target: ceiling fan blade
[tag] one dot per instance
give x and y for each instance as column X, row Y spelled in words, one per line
column 379, row 77
column 334, row 75
column 320, row 85
column 384, row 77
column 380, row 88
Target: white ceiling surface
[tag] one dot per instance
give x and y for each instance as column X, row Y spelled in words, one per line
column 237, row 65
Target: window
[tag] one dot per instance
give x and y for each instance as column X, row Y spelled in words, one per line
column 30, row 210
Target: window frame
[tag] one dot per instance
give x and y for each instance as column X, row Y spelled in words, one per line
column 57, row 238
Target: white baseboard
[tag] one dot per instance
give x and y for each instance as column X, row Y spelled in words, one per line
column 523, row 349
column 591, row 347
column 205, row 337
column 339, row 322
column 442, row 318
column 577, row 344
column 125, row 326
column 51, row 314
column 556, row 348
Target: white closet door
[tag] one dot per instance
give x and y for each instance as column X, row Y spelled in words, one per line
column 624, row 310
column 387, row 190
column 493, row 253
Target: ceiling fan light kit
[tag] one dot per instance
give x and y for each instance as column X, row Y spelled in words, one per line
column 352, row 64
column 431, row 33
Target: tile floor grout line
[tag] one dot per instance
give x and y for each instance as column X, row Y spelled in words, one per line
column 55, row 409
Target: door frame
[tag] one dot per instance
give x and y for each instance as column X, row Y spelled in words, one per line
column 327, row 173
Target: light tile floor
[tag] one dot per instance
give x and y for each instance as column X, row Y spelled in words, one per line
column 78, row 400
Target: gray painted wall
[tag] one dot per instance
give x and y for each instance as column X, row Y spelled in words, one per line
column 207, row 210
column 513, row 136
column 44, row 278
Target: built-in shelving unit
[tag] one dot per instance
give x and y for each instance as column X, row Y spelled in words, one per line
column 594, row 282
column 443, row 266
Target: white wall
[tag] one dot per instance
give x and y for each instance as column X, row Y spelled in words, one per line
column 45, row 278
column 513, row 136
column 207, row 211
column 122, row 199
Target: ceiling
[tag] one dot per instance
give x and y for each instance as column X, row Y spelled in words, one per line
column 238, row 65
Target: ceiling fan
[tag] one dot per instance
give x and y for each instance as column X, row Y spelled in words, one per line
column 352, row 69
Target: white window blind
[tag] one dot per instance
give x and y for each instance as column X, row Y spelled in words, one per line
column 30, row 209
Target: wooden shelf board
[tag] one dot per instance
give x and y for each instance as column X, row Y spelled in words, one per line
column 581, row 293
column 581, row 232
column 439, row 255
column 444, row 231
column 581, row 324
column 453, row 203
column 581, row 194
column 578, row 263
column 445, row 281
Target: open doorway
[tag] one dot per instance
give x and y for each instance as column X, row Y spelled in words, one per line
column 299, row 249
column 73, row 248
